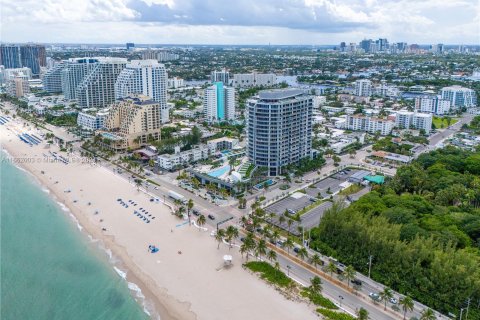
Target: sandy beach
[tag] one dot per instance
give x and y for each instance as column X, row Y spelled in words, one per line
column 186, row 279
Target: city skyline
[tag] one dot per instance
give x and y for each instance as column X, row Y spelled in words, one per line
column 245, row 23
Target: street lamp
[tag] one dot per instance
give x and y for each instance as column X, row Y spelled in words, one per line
column 369, row 265
column 340, row 298
column 288, row 270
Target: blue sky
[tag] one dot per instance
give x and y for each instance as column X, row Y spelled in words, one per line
column 240, row 21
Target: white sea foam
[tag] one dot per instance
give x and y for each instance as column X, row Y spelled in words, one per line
column 79, row 226
column 132, row 286
column 121, row 273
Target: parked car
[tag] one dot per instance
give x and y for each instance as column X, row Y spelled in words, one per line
column 356, row 282
column 393, row 301
column 374, row 296
column 196, row 212
column 211, row 217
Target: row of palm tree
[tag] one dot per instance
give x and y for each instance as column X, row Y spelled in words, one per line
column 407, row 305
column 229, row 235
column 260, row 216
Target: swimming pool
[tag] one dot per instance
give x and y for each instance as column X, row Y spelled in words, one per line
column 110, row 136
column 269, row 183
column 220, row 171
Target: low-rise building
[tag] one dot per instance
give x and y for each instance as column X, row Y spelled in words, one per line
column 254, row 79
column 17, row 87
column 223, row 143
column 92, row 120
column 197, row 153
column 175, row 83
column 347, row 140
column 319, row 101
column 414, row 120
column 369, row 124
column 433, row 104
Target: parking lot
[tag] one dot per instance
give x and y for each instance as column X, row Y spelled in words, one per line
column 296, row 202
column 312, row 218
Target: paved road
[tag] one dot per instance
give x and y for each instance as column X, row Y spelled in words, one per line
column 349, row 303
column 443, row 134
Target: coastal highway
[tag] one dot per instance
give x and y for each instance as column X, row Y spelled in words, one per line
column 350, row 302
column 342, row 298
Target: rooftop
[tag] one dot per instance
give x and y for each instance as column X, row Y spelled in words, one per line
column 278, row 94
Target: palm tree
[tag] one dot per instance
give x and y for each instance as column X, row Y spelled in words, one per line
column 248, row 244
column 272, row 255
column 385, row 295
column 288, row 244
column 189, row 207
column 274, row 236
column 331, row 268
column 219, row 237
column 231, row 234
column 261, row 248
column 281, row 219
column 277, row 267
column 138, row 184
column 349, row 274
column 289, row 223
column 201, row 221
column 244, row 220
column 302, row 253
column 315, row 285
column 427, row 314
column 315, row 260
column 180, row 211
column 362, row 314
column 407, row 305
column 244, row 249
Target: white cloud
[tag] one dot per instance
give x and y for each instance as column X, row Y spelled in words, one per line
column 240, row 21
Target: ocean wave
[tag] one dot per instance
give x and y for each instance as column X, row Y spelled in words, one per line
column 138, row 292
column 121, row 273
column 147, row 308
column 79, row 226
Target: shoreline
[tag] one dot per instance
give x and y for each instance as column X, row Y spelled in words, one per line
column 171, row 310
column 186, row 279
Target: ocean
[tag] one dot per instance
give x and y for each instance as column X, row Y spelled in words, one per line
column 49, row 268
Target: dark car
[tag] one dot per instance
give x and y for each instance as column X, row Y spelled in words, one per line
column 196, row 212
column 211, row 217
column 296, row 249
column 356, row 282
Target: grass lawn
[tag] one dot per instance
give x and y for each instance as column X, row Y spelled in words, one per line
column 318, row 299
column 332, row 315
column 269, row 273
column 310, row 207
column 354, row 188
column 441, row 123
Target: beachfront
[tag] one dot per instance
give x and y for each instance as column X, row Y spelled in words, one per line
column 185, row 278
